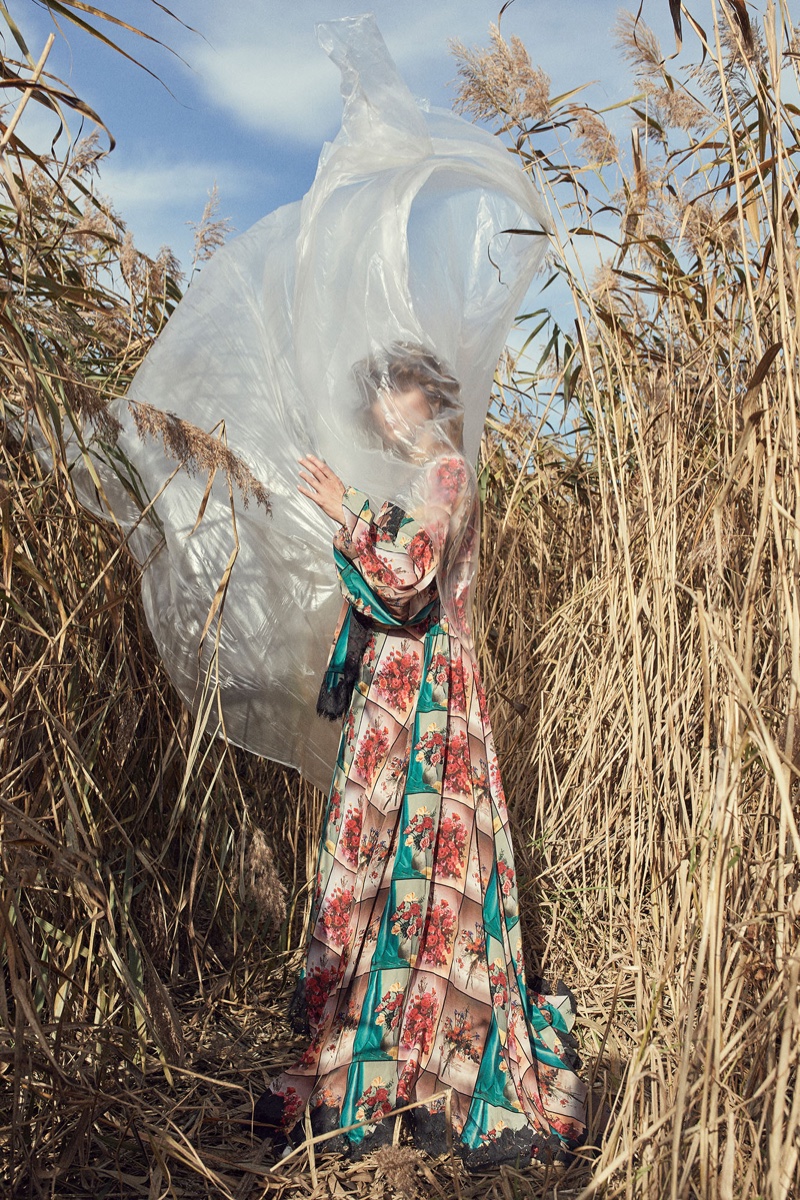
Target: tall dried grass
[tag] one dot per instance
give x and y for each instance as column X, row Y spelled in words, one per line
column 641, row 615
column 135, row 872
column 639, row 630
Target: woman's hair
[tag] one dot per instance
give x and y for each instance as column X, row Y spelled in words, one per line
column 407, row 365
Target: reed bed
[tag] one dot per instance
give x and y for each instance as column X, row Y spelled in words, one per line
column 639, row 629
column 650, row 732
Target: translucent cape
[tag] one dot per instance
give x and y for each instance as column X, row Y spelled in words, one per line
column 403, row 239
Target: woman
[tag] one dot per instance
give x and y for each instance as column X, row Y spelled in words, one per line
column 414, row 984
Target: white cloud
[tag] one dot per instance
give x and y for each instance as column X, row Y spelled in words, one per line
column 158, row 200
column 176, row 184
column 265, row 68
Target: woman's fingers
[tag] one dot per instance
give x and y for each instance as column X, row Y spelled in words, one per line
column 318, row 471
column 325, row 488
column 315, row 465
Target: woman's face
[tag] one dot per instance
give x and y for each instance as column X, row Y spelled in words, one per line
column 399, row 416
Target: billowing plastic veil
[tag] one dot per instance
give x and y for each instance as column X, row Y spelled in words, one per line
column 399, row 258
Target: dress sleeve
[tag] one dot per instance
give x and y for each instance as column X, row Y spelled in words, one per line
column 397, row 552
column 392, row 550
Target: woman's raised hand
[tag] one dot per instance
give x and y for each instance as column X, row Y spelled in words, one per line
column 322, row 486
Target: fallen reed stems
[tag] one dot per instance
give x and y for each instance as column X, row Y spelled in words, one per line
column 639, row 629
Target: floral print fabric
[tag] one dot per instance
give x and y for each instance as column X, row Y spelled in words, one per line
column 415, row 981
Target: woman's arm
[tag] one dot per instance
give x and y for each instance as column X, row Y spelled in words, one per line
column 395, row 551
column 391, row 550
column 395, row 554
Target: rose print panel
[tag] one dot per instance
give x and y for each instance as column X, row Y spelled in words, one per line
column 326, row 861
column 461, row 1041
column 434, row 682
column 375, row 852
column 448, row 681
column 385, row 1001
column 396, row 680
column 428, row 751
column 378, row 839
column 457, row 774
column 425, row 995
column 370, row 1096
column 440, row 931
column 336, row 1046
column 402, row 922
column 390, row 783
column 333, row 927
column 376, row 737
column 437, row 678
column 376, row 832
column 468, row 965
column 460, row 683
column 323, row 974
column 504, row 990
column 361, row 950
column 419, row 825
column 348, row 844
column 454, row 842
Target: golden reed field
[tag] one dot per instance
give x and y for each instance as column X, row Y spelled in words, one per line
column 639, row 625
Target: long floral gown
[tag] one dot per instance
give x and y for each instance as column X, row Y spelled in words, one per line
column 414, row 985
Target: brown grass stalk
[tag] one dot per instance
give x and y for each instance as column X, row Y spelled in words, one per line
column 639, row 630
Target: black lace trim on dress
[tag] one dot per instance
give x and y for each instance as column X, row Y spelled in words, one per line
column 334, row 698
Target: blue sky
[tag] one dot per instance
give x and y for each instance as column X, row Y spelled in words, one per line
column 252, row 97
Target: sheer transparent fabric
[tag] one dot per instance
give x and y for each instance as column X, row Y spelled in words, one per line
column 403, row 239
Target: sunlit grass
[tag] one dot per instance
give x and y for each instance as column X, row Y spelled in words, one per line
column 639, row 630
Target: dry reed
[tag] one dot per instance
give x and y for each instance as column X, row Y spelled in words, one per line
column 640, row 634
column 655, row 557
